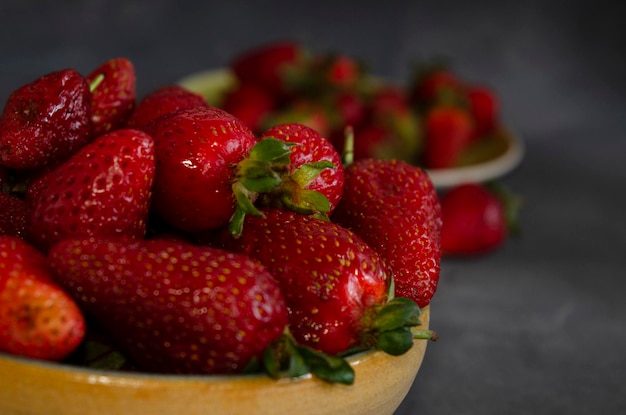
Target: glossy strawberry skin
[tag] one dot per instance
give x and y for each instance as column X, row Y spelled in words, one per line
column 474, row 220
column 37, row 318
column 447, row 132
column 174, row 307
column 331, row 280
column 34, row 132
column 113, row 98
column 162, row 101
column 312, row 147
column 104, row 189
column 196, row 151
column 394, row 208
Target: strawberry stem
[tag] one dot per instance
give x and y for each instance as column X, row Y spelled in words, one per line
column 392, row 329
column 96, row 82
column 348, row 150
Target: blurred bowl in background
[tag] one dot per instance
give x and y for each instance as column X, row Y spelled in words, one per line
column 490, row 159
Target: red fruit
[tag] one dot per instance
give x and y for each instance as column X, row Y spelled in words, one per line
column 197, row 150
column 350, row 108
column 394, row 208
column 447, row 132
column 104, row 189
column 163, row 101
column 433, row 86
column 45, row 121
column 474, row 220
column 484, row 108
column 311, row 148
column 250, row 103
column 37, row 318
column 13, row 215
column 113, row 94
column 174, row 307
column 333, row 283
column 341, row 71
column 269, row 65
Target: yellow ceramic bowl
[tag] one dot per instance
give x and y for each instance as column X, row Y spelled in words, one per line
column 29, row 387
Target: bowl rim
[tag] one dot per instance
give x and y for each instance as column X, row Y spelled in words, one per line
column 213, row 82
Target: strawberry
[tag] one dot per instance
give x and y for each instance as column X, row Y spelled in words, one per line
column 113, row 94
column 250, row 103
column 311, row 154
column 477, row 219
column 13, row 215
column 484, row 108
column 162, row 101
column 393, row 207
column 271, row 66
column 433, row 85
column 46, row 121
column 174, row 307
column 196, row 152
column 37, row 318
column 302, row 111
column 335, row 286
column 447, row 132
column 104, row 189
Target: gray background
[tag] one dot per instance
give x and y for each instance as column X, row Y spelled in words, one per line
column 536, row 327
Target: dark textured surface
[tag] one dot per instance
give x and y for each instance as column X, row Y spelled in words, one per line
column 537, row 327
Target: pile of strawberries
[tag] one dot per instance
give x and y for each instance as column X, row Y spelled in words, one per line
column 193, row 243
column 436, row 120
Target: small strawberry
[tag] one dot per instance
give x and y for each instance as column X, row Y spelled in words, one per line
column 315, row 165
column 271, row 66
column 484, row 108
column 477, row 219
column 162, row 101
column 447, row 132
column 251, row 103
column 113, row 94
column 104, row 189
column 174, row 307
column 196, row 153
column 434, row 84
column 46, row 121
column 37, row 318
column 334, row 284
column 393, row 207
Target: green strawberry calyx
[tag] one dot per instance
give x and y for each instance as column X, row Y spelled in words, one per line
column 393, row 326
column 286, row 358
column 265, row 179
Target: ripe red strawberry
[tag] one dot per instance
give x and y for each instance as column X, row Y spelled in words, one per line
column 250, row 103
column 46, row 121
column 447, row 132
column 271, row 65
column 113, row 94
column 334, row 284
column 476, row 219
column 37, row 318
column 104, row 189
column 162, row 101
column 13, row 215
column 394, row 208
column 196, row 152
column 314, row 164
column 484, row 108
column 174, row 307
